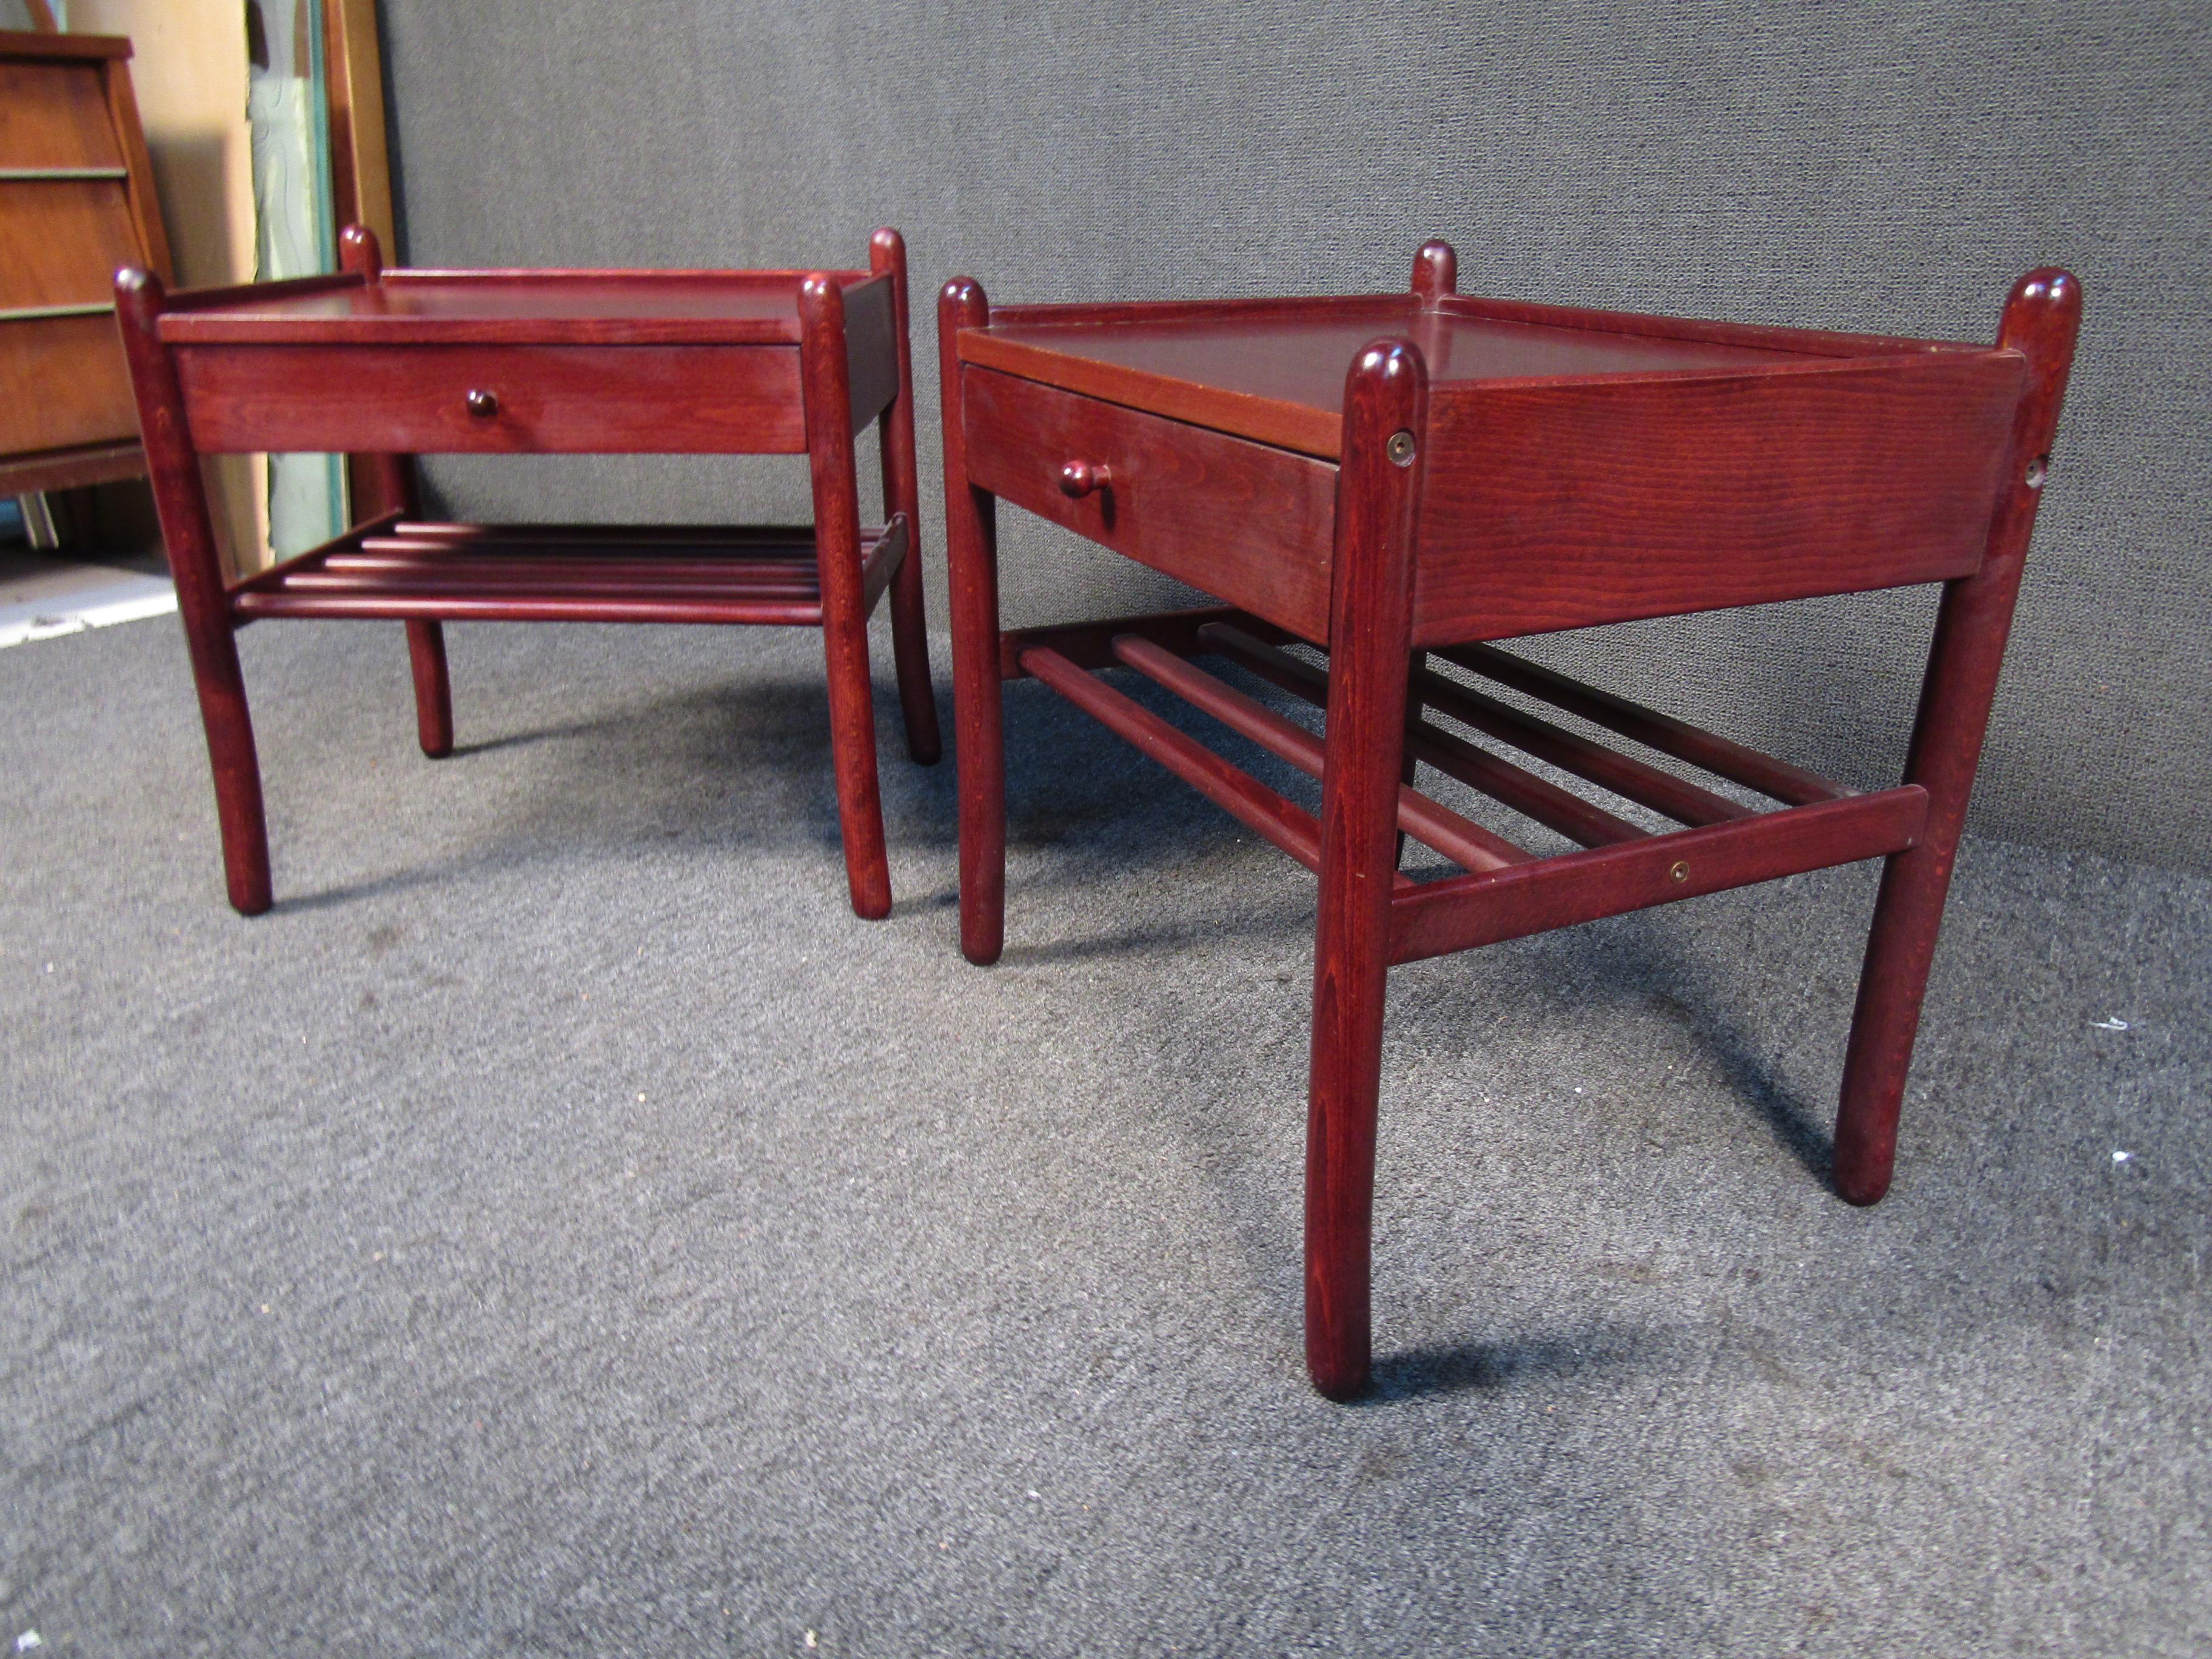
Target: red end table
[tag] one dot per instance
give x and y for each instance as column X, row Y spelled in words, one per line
column 1390, row 475
column 387, row 364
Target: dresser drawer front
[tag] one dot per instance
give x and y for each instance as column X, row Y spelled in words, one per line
column 62, row 382
column 1248, row 524
column 604, row 400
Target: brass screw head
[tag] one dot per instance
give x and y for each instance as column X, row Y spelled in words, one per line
column 1681, row 871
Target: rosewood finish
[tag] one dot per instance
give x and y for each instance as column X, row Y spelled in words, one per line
column 1394, row 481
column 387, row 364
column 76, row 200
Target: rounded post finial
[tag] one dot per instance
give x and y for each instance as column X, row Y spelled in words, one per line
column 886, row 250
column 1435, row 269
column 360, row 252
column 962, row 303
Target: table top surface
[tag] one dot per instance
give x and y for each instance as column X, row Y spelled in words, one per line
column 1275, row 371
column 514, row 308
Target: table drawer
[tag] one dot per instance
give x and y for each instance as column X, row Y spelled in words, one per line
column 1248, row 524
column 494, row 399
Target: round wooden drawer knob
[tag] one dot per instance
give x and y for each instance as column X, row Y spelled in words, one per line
column 483, row 404
column 1081, row 478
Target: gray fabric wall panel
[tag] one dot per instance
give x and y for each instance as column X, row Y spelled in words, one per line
column 1888, row 167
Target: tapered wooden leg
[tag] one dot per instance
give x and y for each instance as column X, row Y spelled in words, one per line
column 1369, row 614
column 2040, row 321
column 203, row 598
column 972, row 554
column 844, row 615
column 902, row 494
column 385, row 483
column 433, row 691
column 237, row 772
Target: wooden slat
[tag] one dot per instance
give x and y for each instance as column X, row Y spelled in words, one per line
column 248, row 604
column 613, row 581
column 1578, row 820
column 554, row 573
column 1461, row 840
column 1463, row 912
column 880, row 560
column 1502, row 781
column 597, row 536
column 1091, row 644
column 1662, row 792
column 1776, row 779
column 1284, row 822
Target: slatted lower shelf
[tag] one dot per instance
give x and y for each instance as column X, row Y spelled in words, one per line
column 1507, row 891
column 393, row 568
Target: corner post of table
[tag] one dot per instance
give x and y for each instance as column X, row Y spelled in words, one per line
column 1436, row 275
column 1370, row 607
column 385, row 483
column 1435, row 271
column 902, row 494
column 828, row 392
column 203, row 598
column 971, row 547
column 2042, row 318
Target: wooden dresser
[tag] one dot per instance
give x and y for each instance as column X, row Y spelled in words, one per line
column 76, row 202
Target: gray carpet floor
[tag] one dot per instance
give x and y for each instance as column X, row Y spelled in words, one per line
column 560, row 1227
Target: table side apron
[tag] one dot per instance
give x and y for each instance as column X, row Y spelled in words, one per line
column 1568, row 505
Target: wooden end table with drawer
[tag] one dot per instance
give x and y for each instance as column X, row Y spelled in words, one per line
column 388, row 364
column 1391, row 477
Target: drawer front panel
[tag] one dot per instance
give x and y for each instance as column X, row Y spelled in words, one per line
column 54, row 115
column 62, row 382
column 1246, row 523
column 604, row 400
column 62, row 240
column 1553, row 508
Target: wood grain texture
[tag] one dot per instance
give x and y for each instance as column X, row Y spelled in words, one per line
column 1280, row 821
column 53, row 112
column 1091, row 644
column 871, row 349
column 2042, row 321
column 1463, row 912
column 188, row 533
column 138, row 184
column 61, row 240
column 1370, row 606
column 1274, row 373
column 1243, row 521
column 1465, row 843
column 971, row 550
column 72, row 468
column 379, row 365
column 551, row 399
column 383, row 484
column 1569, row 504
column 89, row 48
column 902, row 498
column 1669, row 736
column 62, row 385
column 519, row 308
column 823, row 350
